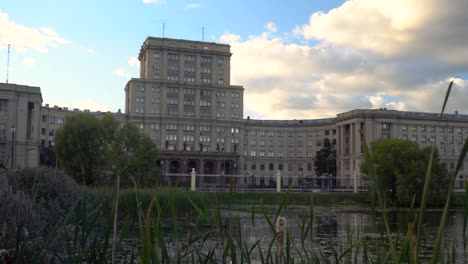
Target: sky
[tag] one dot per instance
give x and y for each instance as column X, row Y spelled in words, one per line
column 296, row 59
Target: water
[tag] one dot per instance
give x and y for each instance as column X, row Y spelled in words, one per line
column 335, row 230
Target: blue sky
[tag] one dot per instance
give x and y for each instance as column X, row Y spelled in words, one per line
column 330, row 56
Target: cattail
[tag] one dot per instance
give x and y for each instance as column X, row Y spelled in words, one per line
column 281, row 231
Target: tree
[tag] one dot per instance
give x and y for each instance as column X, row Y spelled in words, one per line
column 401, row 167
column 325, row 159
column 94, row 151
column 80, row 145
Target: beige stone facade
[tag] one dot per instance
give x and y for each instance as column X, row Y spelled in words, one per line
column 184, row 101
column 20, row 109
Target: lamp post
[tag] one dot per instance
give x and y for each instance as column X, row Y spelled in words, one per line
column 12, row 130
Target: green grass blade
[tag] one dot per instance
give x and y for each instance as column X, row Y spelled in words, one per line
column 447, row 95
column 427, row 183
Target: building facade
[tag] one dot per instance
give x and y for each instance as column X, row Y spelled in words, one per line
column 184, row 100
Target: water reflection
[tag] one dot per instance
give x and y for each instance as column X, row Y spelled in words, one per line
column 336, row 229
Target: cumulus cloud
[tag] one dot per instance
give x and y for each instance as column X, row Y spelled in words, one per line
column 25, row 37
column 90, row 105
column 192, row 5
column 121, row 72
column 133, row 61
column 154, row 1
column 270, row 26
column 364, row 54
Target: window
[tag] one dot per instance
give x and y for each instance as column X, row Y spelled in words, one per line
column 171, row 127
column 280, row 166
column 172, row 101
column 404, row 127
column 270, row 154
column 261, row 153
column 189, row 91
column 205, row 103
column 44, row 118
column 262, row 166
column 270, row 166
column 221, row 81
column 204, row 128
column 253, row 153
column 43, row 131
column 190, row 58
column 188, row 127
column 423, row 129
column 51, row 132
column 171, row 137
column 220, row 60
column 188, row 138
column 205, row 60
column 52, row 119
column 205, row 93
column 60, row 120
column 156, row 55
column 385, row 126
column 173, row 56
column 172, row 90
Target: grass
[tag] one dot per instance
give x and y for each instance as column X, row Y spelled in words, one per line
column 96, row 225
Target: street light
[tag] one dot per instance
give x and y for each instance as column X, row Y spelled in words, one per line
column 12, row 130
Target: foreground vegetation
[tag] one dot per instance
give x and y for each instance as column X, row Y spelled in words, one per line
column 48, row 217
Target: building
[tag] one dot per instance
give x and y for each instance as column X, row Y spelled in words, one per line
column 184, row 100
column 20, row 108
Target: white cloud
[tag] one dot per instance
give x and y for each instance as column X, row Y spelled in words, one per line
column 25, row 37
column 122, row 72
column 29, row 61
column 367, row 54
column 192, row 5
column 270, row 26
column 90, row 105
column 133, row 61
column 154, row 1
column 229, row 38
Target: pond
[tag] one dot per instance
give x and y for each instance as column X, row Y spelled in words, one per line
column 335, row 230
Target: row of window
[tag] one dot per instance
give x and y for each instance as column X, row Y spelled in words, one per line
column 431, row 129
column 279, row 166
column 53, row 119
column 289, row 133
column 188, row 58
column 432, row 139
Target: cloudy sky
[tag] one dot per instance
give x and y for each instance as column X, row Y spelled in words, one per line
column 296, row 59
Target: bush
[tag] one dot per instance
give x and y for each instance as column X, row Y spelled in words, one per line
column 15, row 210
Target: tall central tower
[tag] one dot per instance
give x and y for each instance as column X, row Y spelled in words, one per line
column 183, row 98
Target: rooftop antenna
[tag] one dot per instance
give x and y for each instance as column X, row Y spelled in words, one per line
column 8, row 63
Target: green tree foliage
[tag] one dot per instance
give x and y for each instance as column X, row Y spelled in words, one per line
column 94, row 151
column 401, row 167
column 325, row 159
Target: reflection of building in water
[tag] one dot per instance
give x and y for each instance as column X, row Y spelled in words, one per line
column 184, row 100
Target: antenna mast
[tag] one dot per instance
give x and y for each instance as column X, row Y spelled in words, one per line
column 8, row 63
